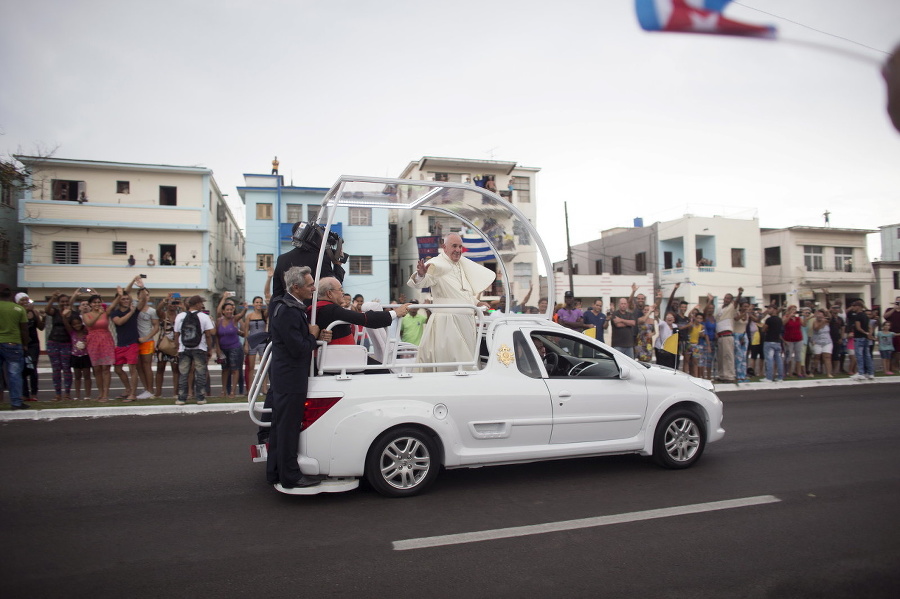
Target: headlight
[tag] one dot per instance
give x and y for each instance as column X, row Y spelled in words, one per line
column 703, row 383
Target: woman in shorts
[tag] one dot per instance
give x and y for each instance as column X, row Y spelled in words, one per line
column 254, row 330
column 821, row 343
column 168, row 310
column 228, row 347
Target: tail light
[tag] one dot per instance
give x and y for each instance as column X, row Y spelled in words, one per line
column 315, row 407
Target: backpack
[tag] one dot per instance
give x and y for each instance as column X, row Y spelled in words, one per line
column 191, row 331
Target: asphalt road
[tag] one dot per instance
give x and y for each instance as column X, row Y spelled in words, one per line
column 171, row 506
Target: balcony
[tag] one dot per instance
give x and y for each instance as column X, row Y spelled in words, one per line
column 77, row 275
column 825, row 276
column 71, row 214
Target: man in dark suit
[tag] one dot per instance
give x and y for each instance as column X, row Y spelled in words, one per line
column 293, row 342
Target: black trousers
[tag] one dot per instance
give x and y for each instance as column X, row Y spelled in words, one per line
column 284, row 438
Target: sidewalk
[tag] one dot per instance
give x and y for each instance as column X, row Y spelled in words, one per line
column 242, row 406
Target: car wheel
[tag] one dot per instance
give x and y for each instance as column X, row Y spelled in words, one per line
column 402, row 462
column 679, row 439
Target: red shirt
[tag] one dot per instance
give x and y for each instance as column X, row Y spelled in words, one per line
column 792, row 330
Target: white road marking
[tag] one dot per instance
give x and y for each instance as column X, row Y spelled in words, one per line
column 537, row 529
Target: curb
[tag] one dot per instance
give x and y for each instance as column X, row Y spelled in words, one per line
column 55, row 414
column 807, row 384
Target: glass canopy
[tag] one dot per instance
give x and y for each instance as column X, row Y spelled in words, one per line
column 487, row 220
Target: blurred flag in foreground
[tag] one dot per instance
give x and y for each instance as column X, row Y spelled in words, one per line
column 694, row 16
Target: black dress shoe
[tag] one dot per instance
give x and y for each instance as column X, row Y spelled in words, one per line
column 24, row 406
column 304, row 481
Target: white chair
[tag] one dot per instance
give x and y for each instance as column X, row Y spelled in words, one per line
column 342, row 359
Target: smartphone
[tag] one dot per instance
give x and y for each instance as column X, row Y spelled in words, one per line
column 176, row 294
column 143, row 276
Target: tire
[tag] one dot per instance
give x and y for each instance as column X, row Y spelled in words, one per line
column 679, row 439
column 402, row 462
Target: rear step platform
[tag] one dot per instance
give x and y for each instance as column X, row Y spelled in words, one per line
column 329, row 485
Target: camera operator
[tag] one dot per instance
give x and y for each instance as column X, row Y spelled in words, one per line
column 307, row 239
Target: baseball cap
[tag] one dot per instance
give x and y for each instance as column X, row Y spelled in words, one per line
column 568, row 294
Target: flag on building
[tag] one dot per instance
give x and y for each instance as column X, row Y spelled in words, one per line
column 694, row 16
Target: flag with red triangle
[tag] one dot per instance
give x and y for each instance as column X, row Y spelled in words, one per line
column 694, row 16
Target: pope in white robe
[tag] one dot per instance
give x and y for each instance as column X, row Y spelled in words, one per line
column 454, row 279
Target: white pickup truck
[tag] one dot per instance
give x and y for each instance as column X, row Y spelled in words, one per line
column 533, row 390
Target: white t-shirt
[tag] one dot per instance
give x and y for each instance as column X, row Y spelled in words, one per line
column 206, row 324
column 145, row 321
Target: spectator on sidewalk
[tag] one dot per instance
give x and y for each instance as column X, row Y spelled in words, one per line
column 741, row 340
column 623, row 331
column 837, row 330
column 124, row 317
column 13, row 336
column 892, row 315
column 148, row 329
column 708, row 342
column 59, row 344
column 570, row 316
column 793, row 340
column 32, row 348
column 597, row 319
column 725, row 335
column 772, row 330
column 886, row 346
column 862, row 336
column 822, row 343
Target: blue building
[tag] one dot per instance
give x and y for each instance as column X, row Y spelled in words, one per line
column 273, row 207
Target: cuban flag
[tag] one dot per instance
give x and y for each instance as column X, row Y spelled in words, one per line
column 477, row 249
column 694, row 16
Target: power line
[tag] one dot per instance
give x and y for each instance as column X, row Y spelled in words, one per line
column 799, row 24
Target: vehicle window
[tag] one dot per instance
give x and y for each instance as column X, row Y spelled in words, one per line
column 574, row 357
column 525, row 360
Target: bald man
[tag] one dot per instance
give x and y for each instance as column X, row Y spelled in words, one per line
column 454, row 279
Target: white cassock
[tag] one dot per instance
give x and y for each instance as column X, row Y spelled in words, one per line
column 450, row 335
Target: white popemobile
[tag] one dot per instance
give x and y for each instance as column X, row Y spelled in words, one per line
column 533, row 390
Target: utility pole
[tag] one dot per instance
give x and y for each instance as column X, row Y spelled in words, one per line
column 568, row 248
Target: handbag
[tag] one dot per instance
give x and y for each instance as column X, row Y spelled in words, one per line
column 167, row 346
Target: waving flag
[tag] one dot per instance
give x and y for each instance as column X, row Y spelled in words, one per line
column 477, row 249
column 694, row 16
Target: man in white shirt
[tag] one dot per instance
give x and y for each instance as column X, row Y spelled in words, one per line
column 198, row 355
column 725, row 334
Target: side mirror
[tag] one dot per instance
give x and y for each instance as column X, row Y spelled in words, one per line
column 625, row 373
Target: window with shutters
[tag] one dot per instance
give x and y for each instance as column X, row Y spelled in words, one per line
column 66, row 252
column 264, row 212
column 360, row 265
column 264, row 261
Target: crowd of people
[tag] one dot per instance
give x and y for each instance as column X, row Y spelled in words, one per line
column 87, row 338
column 737, row 340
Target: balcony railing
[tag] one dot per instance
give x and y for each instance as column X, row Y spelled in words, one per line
column 846, row 269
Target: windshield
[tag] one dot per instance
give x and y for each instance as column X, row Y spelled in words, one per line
column 495, row 232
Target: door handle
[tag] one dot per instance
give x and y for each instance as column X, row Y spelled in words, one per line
column 564, row 394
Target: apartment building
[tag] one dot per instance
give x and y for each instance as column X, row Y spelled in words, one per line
column 85, row 222
column 272, row 208
column 703, row 255
column 890, row 242
column 800, row 263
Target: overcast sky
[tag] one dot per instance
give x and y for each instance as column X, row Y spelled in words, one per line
column 623, row 123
